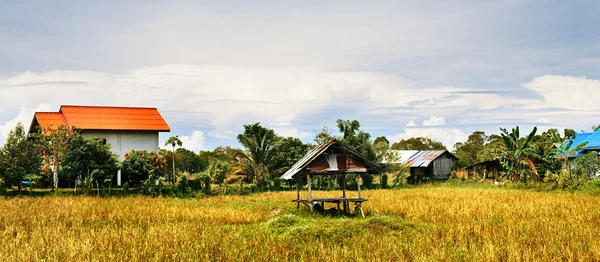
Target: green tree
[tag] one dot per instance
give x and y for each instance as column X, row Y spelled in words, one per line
column 138, row 166
column 381, row 147
column 587, row 165
column 323, row 137
column 21, row 156
column 258, row 160
column 218, row 172
column 517, row 153
column 88, row 155
column 173, row 142
column 189, row 161
column 569, row 133
column 360, row 141
column 55, row 143
column 467, row 151
column 288, row 151
column 356, row 138
column 418, row 143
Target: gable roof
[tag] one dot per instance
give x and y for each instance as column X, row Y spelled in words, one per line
column 320, row 149
column 420, row 158
column 425, row 157
column 104, row 118
column 592, row 140
column 50, row 120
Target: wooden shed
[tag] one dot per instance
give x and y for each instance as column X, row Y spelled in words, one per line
column 333, row 158
column 436, row 164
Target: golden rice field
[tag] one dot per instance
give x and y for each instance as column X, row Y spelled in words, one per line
column 422, row 224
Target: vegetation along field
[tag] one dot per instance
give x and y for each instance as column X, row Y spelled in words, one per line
column 428, row 223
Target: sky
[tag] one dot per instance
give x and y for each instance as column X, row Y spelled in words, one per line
column 440, row 69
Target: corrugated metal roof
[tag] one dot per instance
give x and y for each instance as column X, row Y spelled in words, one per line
column 403, row 155
column 592, row 140
column 424, row 158
column 317, row 151
column 114, row 118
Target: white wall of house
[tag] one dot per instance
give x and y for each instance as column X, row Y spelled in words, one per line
column 122, row 142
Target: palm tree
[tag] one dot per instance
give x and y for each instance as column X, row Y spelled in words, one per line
column 173, row 141
column 258, row 161
column 517, row 152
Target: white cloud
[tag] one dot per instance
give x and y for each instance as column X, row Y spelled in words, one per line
column 221, row 98
column 24, row 117
column 448, row 136
column 434, row 121
column 221, row 133
column 195, row 142
column 568, row 92
column 293, row 132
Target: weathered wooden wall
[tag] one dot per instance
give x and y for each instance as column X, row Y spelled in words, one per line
column 442, row 167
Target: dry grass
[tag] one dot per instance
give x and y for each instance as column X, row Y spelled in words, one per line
column 424, row 224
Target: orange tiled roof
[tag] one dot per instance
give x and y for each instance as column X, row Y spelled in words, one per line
column 50, row 120
column 104, row 118
column 114, row 118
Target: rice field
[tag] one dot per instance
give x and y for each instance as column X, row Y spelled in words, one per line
column 417, row 224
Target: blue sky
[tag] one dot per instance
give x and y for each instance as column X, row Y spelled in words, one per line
column 407, row 68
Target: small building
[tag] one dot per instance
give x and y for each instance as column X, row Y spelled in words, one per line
column 123, row 128
column 332, row 159
column 486, row 170
column 435, row 164
column 589, row 142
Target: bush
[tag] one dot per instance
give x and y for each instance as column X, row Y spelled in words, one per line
column 149, row 186
column 126, row 186
column 563, row 180
column 182, row 183
column 384, row 180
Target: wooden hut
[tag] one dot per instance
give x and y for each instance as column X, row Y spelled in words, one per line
column 435, row 164
column 333, row 158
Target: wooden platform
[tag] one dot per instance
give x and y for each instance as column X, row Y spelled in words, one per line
column 311, row 202
column 332, row 200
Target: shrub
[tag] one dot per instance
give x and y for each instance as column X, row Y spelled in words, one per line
column 563, row 180
column 384, row 180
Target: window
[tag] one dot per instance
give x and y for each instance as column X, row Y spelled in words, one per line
column 102, row 140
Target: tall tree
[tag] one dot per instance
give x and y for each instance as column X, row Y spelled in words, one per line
column 257, row 162
column 288, row 151
column 323, row 137
column 467, row 151
column 356, row 138
column 381, row 147
column 21, row 156
column 173, row 142
column 418, row 143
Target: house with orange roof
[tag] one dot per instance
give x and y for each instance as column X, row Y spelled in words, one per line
column 123, row 128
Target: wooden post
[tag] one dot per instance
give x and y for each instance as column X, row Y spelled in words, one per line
column 358, row 180
column 298, row 190
column 345, row 203
column 310, row 203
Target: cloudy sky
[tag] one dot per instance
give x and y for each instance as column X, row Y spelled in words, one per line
column 402, row 68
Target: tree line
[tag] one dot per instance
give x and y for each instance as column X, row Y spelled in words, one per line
column 65, row 158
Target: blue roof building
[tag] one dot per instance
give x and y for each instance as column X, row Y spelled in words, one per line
column 592, row 141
